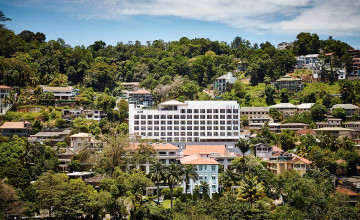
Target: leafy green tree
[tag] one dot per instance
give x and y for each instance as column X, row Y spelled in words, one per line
column 275, row 114
column 10, row 203
column 318, row 112
column 270, row 93
column 339, row 113
column 286, row 139
column 3, row 19
column 204, row 186
column 105, row 102
column 284, row 94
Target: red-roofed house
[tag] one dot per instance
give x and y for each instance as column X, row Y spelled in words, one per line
column 20, row 128
column 302, row 132
column 165, row 152
column 141, row 97
column 350, row 193
column 207, row 169
column 280, row 162
column 217, row 152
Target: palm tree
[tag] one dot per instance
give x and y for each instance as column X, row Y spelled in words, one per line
column 228, row 178
column 250, row 189
column 157, row 172
column 244, row 146
column 204, row 188
column 189, row 174
column 173, row 176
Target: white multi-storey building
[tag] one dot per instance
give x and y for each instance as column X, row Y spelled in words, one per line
column 191, row 121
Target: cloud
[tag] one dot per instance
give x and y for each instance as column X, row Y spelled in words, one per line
column 325, row 17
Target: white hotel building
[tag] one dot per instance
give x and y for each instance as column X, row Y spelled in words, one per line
column 191, row 121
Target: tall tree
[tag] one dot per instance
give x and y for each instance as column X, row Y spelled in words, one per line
column 173, row 175
column 157, row 172
column 244, row 146
column 189, row 174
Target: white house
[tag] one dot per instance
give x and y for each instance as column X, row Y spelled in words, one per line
column 4, row 92
column 207, row 169
column 189, row 121
column 263, row 150
column 60, row 93
column 304, row 107
column 81, row 141
column 223, row 81
column 94, row 114
column 350, row 109
column 307, row 61
column 287, row 109
column 256, row 113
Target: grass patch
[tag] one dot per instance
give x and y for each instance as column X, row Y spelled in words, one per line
column 166, row 203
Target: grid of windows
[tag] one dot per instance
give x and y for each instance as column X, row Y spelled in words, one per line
column 188, row 124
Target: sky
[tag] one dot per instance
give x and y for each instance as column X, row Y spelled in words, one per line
column 81, row 22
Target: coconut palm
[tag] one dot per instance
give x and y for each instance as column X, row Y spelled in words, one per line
column 173, row 176
column 157, row 172
column 250, row 189
column 189, row 174
column 229, row 178
column 244, row 146
column 204, row 188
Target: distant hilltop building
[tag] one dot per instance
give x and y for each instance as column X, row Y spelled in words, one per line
column 224, row 81
column 289, row 83
column 4, row 93
column 284, row 45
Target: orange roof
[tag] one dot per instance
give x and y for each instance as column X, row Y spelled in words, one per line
column 5, row 87
column 304, row 160
column 341, row 161
column 197, row 160
column 14, row 125
column 277, row 149
column 328, row 54
column 157, row 146
column 205, row 149
column 141, row 91
column 305, row 131
column 346, row 191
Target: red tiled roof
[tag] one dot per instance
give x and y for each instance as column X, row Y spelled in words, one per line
column 197, row 160
column 305, row 131
column 14, row 125
column 5, row 87
column 346, row 191
column 157, row 146
column 304, row 160
column 328, row 54
column 276, row 149
column 141, row 91
column 205, row 149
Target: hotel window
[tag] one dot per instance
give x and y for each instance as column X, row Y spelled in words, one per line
column 222, row 127
column 202, row 133
column 235, row 127
column 189, row 133
column 228, row 122
column 163, row 128
column 149, row 122
column 189, row 122
column 216, row 117
column 176, row 116
column 156, row 133
column 196, row 110
column 196, row 117
column 216, row 134
column 202, row 122
column 156, row 122
column 202, row 110
column 202, row 116
column 169, row 134
column 183, row 111
column 169, row 122
column 228, row 116
column 196, row 128
column 196, row 133
column 169, row 128
column 213, row 186
column 229, row 134
column 176, row 133
column 182, row 117
column 209, row 122
column 209, row 128
column 163, row 133
column 169, row 117
column 228, row 110
column 196, row 122
column 136, row 116
column 163, row 122
column 183, row 128
column 222, row 110
column 222, row 122
column 216, row 111
column 216, row 122
column 200, row 169
column 156, row 128
column 209, row 111
column 149, row 117
column 209, row 134
column 182, row 122
column 189, row 111
column 176, row 122
column 136, row 122
column 235, row 110
column 143, row 133
column 209, row 117
column 143, row 128
column 222, row 133
column 213, row 177
column 143, row 122
column 136, row 128
column 228, row 128
column 189, row 117
column 163, row 116
column 213, row 167
column 143, row 117
column 149, row 134
column 189, row 127
column 202, row 128
column 150, row 128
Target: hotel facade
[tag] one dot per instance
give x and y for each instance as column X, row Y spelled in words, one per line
column 189, row 121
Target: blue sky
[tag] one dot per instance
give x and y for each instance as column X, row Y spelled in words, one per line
column 81, row 22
